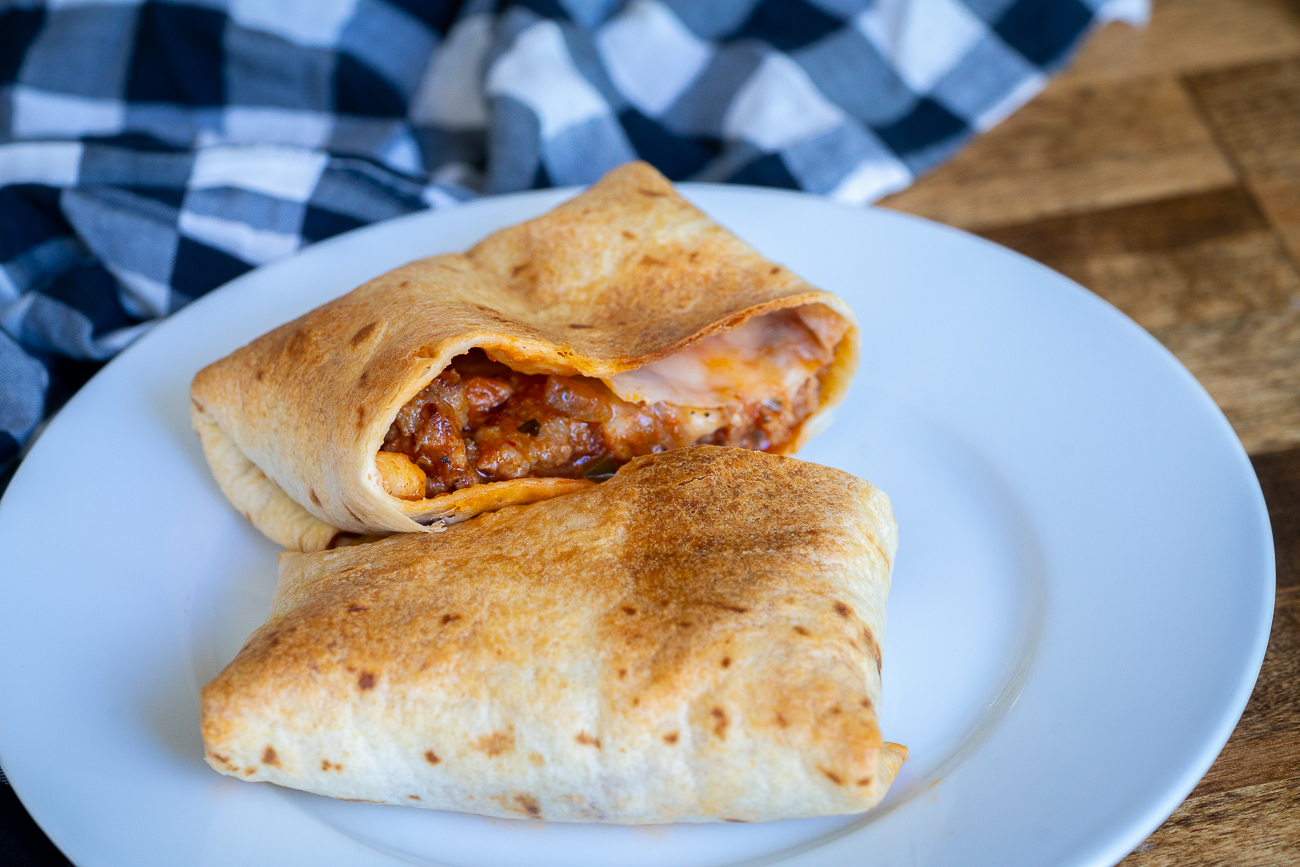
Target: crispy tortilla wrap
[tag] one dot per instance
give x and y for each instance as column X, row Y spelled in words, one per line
column 624, row 322
column 695, row 640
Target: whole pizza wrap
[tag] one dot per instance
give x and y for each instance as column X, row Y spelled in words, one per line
column 697, row 639
column 623, row 322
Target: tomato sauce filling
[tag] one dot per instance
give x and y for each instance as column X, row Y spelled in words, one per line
column 480, row 421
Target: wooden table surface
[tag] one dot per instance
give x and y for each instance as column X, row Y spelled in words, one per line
column 1162, row 171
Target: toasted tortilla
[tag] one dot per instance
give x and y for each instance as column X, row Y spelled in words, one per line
column 622, row 276
column 695, row 640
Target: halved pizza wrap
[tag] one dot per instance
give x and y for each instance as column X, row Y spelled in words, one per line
column 622, row 323
column 697, row 639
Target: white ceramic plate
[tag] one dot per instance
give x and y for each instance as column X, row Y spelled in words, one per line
column 1081, row 600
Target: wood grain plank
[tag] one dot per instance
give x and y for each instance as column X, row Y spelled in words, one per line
column 1249, row 364
column 1075, row 148
column 1191, row 35
column 1255, row 111
column 1279, row 479
column 1247, row 827
column 1187, row 259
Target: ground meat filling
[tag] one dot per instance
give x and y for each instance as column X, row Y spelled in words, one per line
column 480, row 421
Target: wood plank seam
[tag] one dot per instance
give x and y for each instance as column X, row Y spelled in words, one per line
column 1230, row 156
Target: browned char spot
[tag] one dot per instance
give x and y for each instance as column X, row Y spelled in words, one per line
column 449, row 618
column 726, row 661
column 225, row 760
column 366, row 680
column 832, row 776
column 872, row 648
column 518, row 269
column 670, row 738
column 529, row 805
column 781, row 720
column 742, row 821
column 622, row 673
column 269, row 757
column 866, row 702
column 719, row 722
column 801, row 630
column 363, row 332
column 629, row 235
column 260, row 375
column 654, row 194
column 431, row 757
column 327, row 765
column 311, row 492
column 628, row 609
column 297, row 343
column 415, row 797
column 587, row 740
column 197, row 405
column 579, row 325
column 865, row 781
column 352, row 609
column 496, row 743
column 842, row 610
column 775, row 269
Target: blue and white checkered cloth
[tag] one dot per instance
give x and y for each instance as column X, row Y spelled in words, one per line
column 150, row 151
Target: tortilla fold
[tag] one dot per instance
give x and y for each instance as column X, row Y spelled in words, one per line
column 623, row 275
column 696, row 640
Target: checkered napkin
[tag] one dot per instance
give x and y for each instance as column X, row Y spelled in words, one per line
column 151, row 151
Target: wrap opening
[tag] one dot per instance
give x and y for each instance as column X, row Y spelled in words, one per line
column 480, row 421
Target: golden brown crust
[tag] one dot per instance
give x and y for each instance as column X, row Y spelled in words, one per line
column 690, row 641
column 260, row 500
column 620, row 276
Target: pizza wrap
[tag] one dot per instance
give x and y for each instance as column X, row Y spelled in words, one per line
column 623, row 322
column 695, row 640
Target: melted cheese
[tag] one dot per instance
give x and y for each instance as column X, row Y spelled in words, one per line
column 768, row 357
